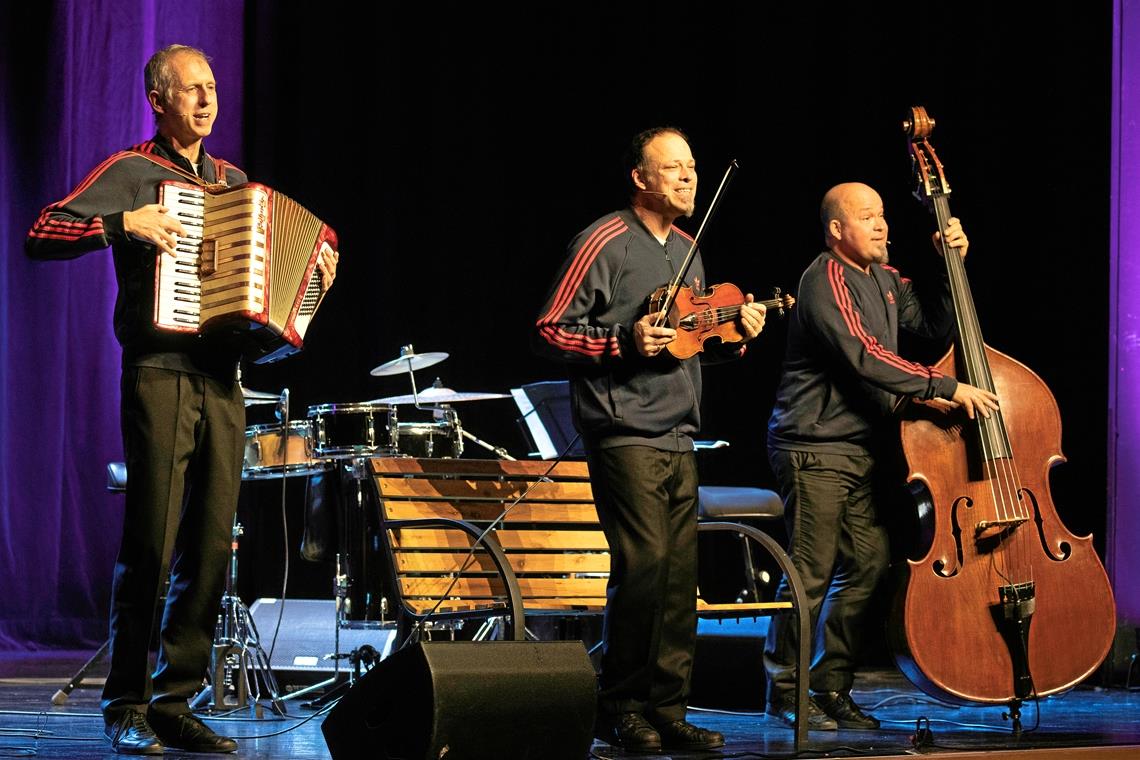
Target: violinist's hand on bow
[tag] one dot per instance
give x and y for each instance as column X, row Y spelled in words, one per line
column 955, row 237
column 650, row 340
column 751, row 319
column 326, row 262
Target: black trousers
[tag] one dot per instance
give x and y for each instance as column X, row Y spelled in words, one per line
column 647, row 504
column 184, row 438
column 840, row 548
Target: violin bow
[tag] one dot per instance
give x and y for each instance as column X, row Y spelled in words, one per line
column 675, row 284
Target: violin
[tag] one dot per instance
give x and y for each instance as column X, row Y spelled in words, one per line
column 699, row 314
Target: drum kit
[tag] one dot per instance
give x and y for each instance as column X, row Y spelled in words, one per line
column 339, row 439
column 360, row 430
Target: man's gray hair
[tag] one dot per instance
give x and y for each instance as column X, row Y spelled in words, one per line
column 159, row 74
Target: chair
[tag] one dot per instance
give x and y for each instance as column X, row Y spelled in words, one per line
column 548, row 557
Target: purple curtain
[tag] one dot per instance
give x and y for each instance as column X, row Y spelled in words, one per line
column 1124, row 319
column 71, row 74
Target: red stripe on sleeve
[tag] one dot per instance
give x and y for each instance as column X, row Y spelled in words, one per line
column 855, row 326
column 576, row 272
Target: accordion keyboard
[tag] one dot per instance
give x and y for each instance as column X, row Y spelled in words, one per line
column 179, row 284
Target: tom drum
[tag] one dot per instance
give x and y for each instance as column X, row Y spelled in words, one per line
column 271, row 452
column 349, row 431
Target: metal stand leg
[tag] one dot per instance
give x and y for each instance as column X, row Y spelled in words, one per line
column 340, row 589
column 61, row 696
column 751, row 590
column 340, row 681
column 239, row 665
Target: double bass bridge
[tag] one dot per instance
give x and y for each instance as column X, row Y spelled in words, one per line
column 985, row 529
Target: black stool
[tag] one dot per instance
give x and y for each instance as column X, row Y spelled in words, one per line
column 116, row 483
column 734, row 503
column 720, row 508
column 117, row 477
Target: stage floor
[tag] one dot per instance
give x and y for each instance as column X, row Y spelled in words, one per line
column 1085, row 723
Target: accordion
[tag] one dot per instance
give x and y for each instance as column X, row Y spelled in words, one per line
column 247, row 262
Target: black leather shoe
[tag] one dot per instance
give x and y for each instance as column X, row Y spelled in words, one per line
column 186, row 732
column 784, row 708
column 630, row 731
column 840, row 706
column 130, row 734
column 680, row 734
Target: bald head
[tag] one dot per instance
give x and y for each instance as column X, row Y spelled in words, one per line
column 854, row 225
column 838, row 201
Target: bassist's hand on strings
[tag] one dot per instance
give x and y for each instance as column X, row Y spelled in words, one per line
column 955, row 237
column 974, row 399
column 650, row 340
column 751, row 319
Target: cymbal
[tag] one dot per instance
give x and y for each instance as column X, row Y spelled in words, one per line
column 259, row 397
column 435, row 395
column 408, row 361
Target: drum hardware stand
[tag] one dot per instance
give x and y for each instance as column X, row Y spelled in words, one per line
column 237, row 658
column 445, row 411
column 340, row 590
column 498, row 451
column 492, row 629
column 340, row 681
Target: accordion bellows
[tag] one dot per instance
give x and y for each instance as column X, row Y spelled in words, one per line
column 247, row 262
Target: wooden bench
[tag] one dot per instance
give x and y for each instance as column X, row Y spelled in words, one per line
column 546, row 556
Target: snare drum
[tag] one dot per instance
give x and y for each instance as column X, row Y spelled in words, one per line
column 428, row 440
column 271, row 454
column 349, row 431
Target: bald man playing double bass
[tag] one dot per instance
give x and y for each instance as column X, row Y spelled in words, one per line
column 842, row 376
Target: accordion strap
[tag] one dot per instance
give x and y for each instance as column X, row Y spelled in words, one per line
column 219, row 170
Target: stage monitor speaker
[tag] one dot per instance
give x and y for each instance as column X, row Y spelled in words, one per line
column 470, row 700
column 308, row 636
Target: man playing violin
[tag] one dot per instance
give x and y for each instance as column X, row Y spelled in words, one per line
column 841, row 377
column 636, row 407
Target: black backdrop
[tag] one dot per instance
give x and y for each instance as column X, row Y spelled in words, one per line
column 456, row 158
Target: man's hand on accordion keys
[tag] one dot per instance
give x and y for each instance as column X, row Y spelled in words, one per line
column 153, row 224
column 327, row 263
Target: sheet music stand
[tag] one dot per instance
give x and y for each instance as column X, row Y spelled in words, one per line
column 547, row 420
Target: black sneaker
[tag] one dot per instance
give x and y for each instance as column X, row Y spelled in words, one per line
column 630, row 731
column 784, row 708
column 186, row 732
column 131, row 734
column 839, row 705
column 680, row 734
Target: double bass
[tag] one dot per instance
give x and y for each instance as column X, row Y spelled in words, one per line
column 1007, row 604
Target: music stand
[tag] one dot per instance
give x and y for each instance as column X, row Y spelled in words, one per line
column 547, row 419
